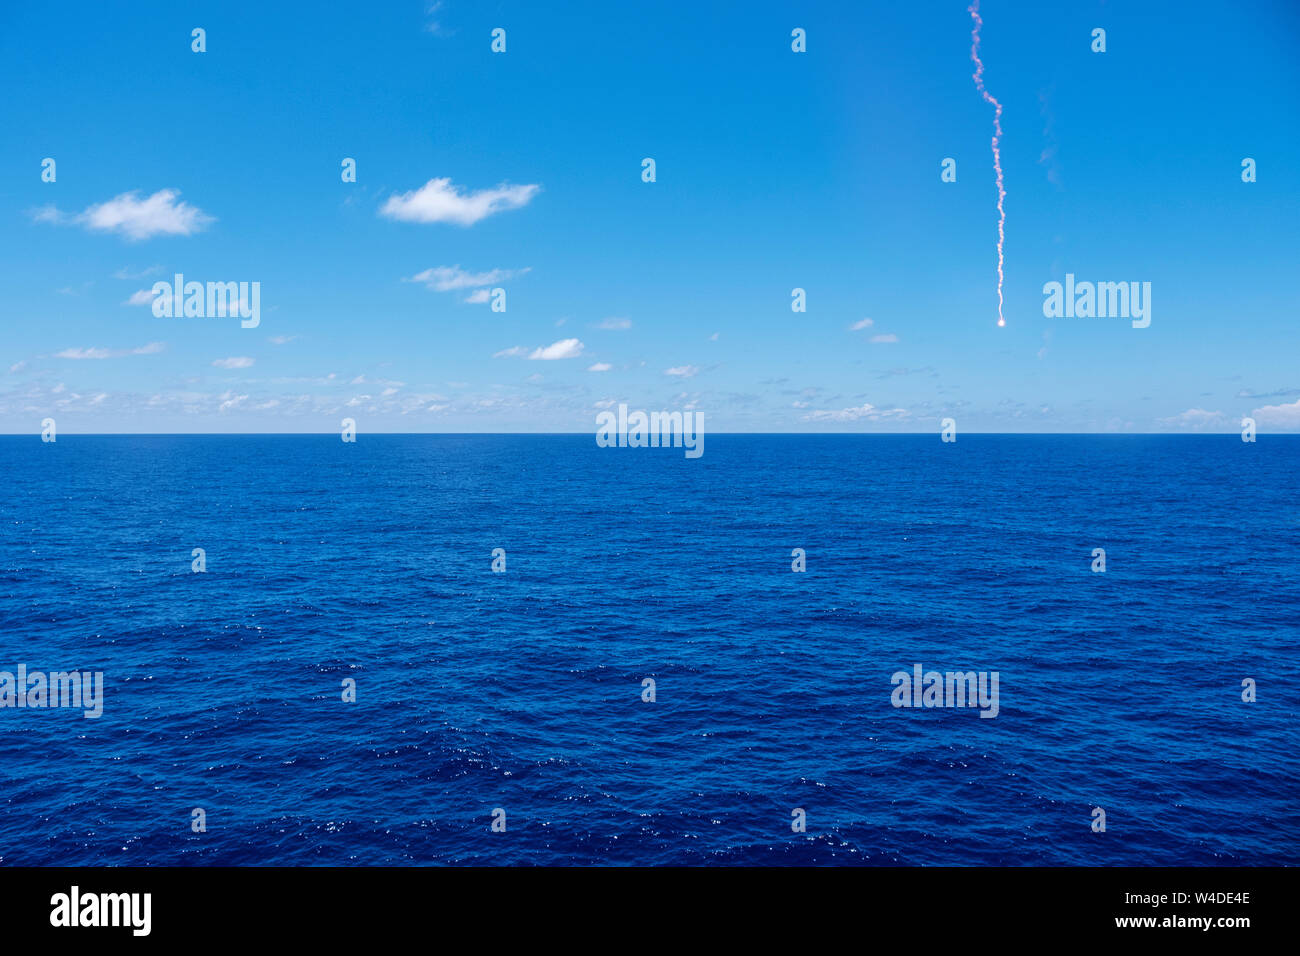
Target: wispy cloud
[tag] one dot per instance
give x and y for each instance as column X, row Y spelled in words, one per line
column 1196, row 419
column 682, row 371
column 453, row 278
column 128, row 215
column 439, row 200
column 599, row 367
column 142, row 274
column 433, row 25
column 860, row 325
column 887, row 339
column 614, row 324
column 238, row 361
column 1279, row 393
column 101, row 353
column 563, row 349
column 141, row 297
column 865, row 411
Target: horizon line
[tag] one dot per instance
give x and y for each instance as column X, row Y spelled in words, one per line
column 827, row 434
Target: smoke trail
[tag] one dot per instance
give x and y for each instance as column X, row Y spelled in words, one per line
column 978, row 76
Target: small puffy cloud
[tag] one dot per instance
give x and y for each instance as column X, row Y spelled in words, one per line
column 478, row 297
column 682, row 371
column 439, row 200
column 563, row 349
column 99, row 353
column 599, row 367
column 142, row 297
column 615, row 324
column 238, row 361
column 231, row 400
column 860, row 325
column 127, row 214
column 451, row 278
column 887, row 339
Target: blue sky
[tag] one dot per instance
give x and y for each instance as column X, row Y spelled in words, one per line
column 775, row 170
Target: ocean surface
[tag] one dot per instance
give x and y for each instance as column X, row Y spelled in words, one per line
column 522, row 690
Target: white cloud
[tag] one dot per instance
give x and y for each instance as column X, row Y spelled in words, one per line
column 889, row 339
column 98, row 353
column 1278, row 416
column 563, row 349
column 142, row 297
column 510, row 352
column 17, row 367
column 450, row 278
column 238, row 361
column 682, row 371
column 142, row 274
column 477, row 297
column 440, row 201
column 433, row 26
column 859, row 326
column 615, row 324
column 865, row 411
column 135, row 218
column 1196, row 419
column 599, row 367
column 282, row 339
column 231, row 400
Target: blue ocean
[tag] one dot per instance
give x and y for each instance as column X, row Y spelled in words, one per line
column 517, row 696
